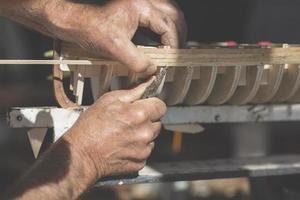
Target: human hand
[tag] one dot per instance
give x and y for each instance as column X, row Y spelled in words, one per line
column 116, row 134
column 107, row 30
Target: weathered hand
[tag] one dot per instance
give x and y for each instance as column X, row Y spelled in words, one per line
column 107, row 30
column 103, row 30
column 116, row 134
column 171, row 8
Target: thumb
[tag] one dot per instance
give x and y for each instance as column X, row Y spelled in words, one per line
column 123, row 50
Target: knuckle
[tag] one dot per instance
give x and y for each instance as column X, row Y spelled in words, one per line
column 140, row 115
column 132, row 115
column 146, row 136
column 141, row 64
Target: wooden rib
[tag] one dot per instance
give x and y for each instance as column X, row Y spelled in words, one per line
column 201, row 88
column 295, row 98
column 177, row 90
column 189, row 57
column 244, row 94
column 105, row 78
column 95, row 84
column 58, row 86
column 103, row 81
column 225, row 86
column 290, row 84
column 267, row 92
column 243, row 77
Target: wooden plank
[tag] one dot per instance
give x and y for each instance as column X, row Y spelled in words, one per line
column 209, row 56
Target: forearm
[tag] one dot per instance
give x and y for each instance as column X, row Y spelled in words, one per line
column 30, row 13
column 45, row 16
column 61, row 173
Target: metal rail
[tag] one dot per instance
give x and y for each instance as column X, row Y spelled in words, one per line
column 212, row 169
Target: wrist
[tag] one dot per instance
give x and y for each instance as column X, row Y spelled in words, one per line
column 30, row 13
column 81, row 160
column 66, row 20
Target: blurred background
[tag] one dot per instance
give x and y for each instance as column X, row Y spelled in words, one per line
column 208, row 21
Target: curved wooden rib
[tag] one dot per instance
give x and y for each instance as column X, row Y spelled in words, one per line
column 177, row 90
column 201, row 88
column 296, row 97
column 244, row 94
column 267, row 92
column 58, row 86
column 225, row 85
column 290, row 84
column 105, row 78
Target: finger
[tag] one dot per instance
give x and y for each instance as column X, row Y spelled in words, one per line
column 174, row 12
column 128, row 54
column 152, row 108
column 156, row 130
column 164, row 26
column 129, row 96
column 144, row 151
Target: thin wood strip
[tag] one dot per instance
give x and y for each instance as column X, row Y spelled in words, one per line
column 187, row 57
column 208, row 57
column 80, row 84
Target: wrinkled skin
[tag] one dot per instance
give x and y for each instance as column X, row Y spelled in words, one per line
column 107, row 30
column 116, row 134
column 119, row 130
